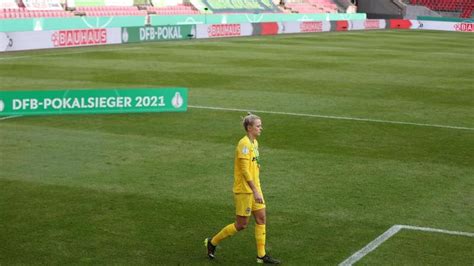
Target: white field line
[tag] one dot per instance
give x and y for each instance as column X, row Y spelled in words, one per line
column 371, row 246
column 434, row 230
column 391, row 232
column 331, row 117
column 9, row 117
column 312, row 115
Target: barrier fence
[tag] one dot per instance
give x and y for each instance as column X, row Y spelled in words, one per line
column 17, row 41
column 86, row 22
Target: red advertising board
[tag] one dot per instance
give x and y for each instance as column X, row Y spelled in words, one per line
column 342, row 25
column 269, row 28
column 399, row 24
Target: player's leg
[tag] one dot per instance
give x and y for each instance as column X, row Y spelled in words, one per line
column 260, row 235
column 243, row 210
column 260, row 230
column 241, row 223
column 211, row 243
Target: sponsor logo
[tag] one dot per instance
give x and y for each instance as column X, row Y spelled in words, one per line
column 6, row 42
column 177, row 100
column 371, row 24
column 124, row 35
column 466, row 27
column 2, row 106
column 66, row 38
column 224, row 30
column 160, row 33
column 248, row 210
column 311, row 26
column 420, row 24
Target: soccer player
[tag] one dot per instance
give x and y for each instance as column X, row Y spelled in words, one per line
column 248, row 196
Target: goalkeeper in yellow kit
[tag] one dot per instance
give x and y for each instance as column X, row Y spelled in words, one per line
column 248, row 196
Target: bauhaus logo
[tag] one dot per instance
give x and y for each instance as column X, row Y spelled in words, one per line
column 371, row 24
column 466, row 27
column 66, row 38
column 224, row 30
column 311, row 26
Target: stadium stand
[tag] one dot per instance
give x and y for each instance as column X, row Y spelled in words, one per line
column 13, row 9
column 312, row 6
column 240, row 7
column 22, row 12
column 180, row 9
column 301, row 6
column 464, row 7
column 99, row 11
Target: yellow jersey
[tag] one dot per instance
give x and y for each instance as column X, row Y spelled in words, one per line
column 246, row 150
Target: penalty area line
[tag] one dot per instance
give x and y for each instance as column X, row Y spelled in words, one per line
column 331, row 117
column 391, row 232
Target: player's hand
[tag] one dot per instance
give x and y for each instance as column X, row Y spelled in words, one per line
column 258, row 197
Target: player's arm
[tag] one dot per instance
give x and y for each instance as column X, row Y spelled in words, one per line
column 244, row 166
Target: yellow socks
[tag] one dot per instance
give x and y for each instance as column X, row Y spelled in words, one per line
column 260, row 237
column 230, row 230
column 227, row 231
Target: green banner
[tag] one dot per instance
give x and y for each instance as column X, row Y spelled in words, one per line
column 158, row 33
column 97, row 101
column 448, row 19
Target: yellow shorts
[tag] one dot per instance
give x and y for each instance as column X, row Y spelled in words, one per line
column 245, row 204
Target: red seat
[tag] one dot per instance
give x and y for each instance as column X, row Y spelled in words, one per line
column 463, row 6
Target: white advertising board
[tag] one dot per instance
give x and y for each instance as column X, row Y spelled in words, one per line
column 31, row 40
column 446, row 26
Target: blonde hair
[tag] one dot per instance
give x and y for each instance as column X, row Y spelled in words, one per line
column 249, row 120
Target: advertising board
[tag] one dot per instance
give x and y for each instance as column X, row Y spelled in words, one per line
column 223, row 30
column 19, row 41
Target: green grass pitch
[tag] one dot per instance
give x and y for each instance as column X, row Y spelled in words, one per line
column 148, row 188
